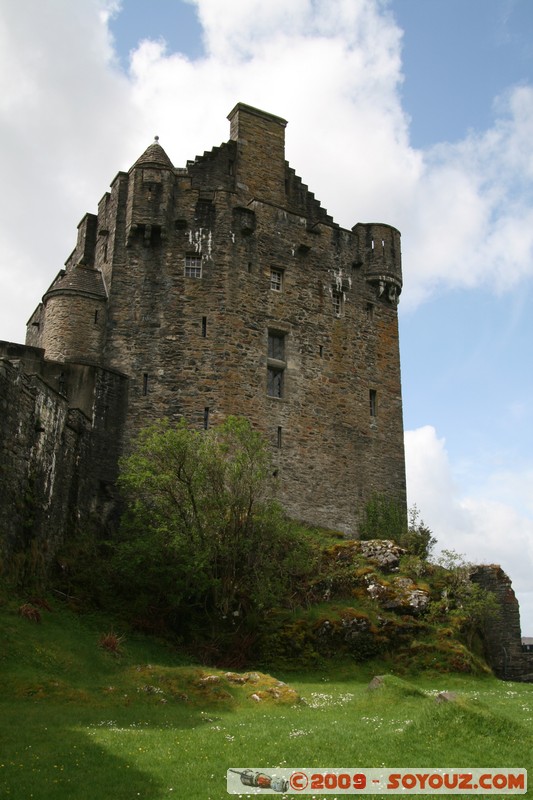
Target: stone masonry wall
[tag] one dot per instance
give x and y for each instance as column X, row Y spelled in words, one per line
column 41, row 445
column 60, row 437
column 186, row 259
column 502, row 635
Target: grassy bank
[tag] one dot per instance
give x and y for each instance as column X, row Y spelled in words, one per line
column 80, row 721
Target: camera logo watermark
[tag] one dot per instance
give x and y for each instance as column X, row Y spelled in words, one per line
column 377, row 781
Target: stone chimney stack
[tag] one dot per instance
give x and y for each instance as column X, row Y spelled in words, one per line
column 260, row 167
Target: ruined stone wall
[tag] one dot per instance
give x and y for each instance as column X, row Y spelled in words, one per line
column 502, row 636
column 60, row 436
column 41, row 445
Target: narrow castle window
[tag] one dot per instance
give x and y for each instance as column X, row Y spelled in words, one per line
column 276, row 364
column 338, row 303
column 321, row 350
column 206, row 418
column 275, row 382
column 204, row 327
column 193, row 266
column 276, row 345
column 96, row 317
column 276, row 280
column 278, row 440
column 145, row 384
column 373, row 398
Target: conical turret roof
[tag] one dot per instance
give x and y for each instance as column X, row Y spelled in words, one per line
column 80, row 280
column 154, row 156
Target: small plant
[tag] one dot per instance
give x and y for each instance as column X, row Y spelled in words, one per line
column 111, row 642
column 29, row 611
column 418, row 539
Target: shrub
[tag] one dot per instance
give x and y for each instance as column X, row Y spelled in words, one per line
column 385, row 518
column 201, row 535
column 111, row 642
column 28, row 611
column 462, row 603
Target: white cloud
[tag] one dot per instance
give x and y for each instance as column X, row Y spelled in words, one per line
column 63, row 107
column 331, row 67
column 471, row 210
column 494, row 525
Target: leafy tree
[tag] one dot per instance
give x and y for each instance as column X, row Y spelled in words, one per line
column 418, row 539
column 201, row 530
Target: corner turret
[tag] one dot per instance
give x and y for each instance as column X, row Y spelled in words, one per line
column 150, row 196
column 379, row 253
column 74, row 315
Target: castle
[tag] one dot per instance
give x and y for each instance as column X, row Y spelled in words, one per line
column 222, row 287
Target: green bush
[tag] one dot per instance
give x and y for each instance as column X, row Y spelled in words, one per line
column 201, row 535
column 385, row 518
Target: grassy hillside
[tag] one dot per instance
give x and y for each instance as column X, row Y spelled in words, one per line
column 80, row 721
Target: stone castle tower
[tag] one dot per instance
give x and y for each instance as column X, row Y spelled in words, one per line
column 223, row 287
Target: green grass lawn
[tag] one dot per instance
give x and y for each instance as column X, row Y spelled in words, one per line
column 79, row 722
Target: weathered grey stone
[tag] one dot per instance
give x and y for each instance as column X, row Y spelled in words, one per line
column 502, row 635
column 384, row 552
column 401, row 594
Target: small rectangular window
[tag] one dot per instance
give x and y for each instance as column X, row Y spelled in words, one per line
column 276, row 280
column 276, row 363
column 278, row 440
column 145, row 383
column 373, row 397
column 276, row 345
column 206, row 418
column 193, row 266
column 204, row 327
column 338, row 299
column 275, row 382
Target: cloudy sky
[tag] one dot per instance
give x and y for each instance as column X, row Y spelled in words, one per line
column 418, row 113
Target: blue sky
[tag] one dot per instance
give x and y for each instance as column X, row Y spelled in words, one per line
column 414, row 112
